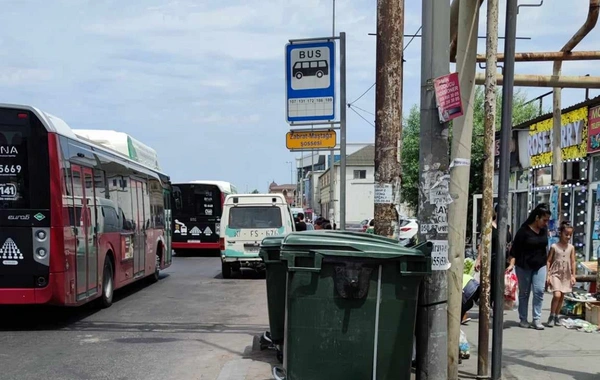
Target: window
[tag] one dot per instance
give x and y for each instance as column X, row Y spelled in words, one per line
column 322, row 64
column 360, row 174
column 111, row 219
column 255, row 217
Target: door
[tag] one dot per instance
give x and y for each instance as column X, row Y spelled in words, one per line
column 80, row 221
column 84, row 202
column 91, row 231
column 137, row 200
column 167, row 223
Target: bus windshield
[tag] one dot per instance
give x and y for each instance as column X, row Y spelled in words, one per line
column 197, row 200
column 14, row 178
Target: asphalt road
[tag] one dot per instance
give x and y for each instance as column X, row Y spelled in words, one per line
column 192, row 324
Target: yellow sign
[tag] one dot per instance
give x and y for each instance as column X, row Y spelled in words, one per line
column 308, row 140
column 573, row 138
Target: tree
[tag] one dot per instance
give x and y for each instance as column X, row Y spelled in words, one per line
column 255, row 191
column 410, row 143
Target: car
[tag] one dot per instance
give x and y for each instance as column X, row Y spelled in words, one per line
column 409, row 227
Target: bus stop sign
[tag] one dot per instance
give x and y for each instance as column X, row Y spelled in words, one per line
column 310, row 81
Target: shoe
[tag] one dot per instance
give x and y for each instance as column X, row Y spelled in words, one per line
column 550, row 320
column 557, row 321
column 537, row 325
column 524, row 324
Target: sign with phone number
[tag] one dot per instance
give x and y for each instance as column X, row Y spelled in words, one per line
column 439, row 255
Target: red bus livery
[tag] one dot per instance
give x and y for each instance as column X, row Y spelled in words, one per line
column 77, row 219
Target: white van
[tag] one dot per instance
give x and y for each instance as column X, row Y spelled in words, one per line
column 246, row 220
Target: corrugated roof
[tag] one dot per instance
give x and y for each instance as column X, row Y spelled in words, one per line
column 589, row 102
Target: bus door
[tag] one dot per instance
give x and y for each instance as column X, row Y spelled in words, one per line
column 168, row 229
column 85, row 228
column 139, row 252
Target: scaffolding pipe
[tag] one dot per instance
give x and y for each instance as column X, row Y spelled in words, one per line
column 547, row 81
column 557, row 172
column 549, row 56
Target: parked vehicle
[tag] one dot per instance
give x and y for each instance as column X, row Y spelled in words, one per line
column 247, row 219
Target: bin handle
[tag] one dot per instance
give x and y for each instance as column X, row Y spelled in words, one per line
column 410, row 273
column 276, row 371
column 315, row 269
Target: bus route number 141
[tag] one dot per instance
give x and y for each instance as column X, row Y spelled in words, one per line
column 8, row 191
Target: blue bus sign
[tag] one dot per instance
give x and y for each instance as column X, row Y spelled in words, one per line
column 310, row 81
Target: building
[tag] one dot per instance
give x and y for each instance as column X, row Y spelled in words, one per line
column 317, row 161
column 360, row 186
column 288, row 191
column 531, row 174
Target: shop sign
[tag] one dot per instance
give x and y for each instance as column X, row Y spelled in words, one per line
column 594, row 130
column 573, row 138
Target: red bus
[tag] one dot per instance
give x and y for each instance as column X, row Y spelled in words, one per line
column 77, row 219
column 197, row 209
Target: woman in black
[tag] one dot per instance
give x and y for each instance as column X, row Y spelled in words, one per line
column 530, row 251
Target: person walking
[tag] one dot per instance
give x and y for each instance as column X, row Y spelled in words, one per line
column 529, row 249
column 562, row 271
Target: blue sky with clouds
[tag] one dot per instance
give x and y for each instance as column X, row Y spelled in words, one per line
column 202, row 81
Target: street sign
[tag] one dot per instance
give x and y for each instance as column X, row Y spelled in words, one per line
column 310, row 81
column 447, row 95
column 310, row 140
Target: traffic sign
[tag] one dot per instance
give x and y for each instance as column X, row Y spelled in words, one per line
column 310, row 81
column 310, row 140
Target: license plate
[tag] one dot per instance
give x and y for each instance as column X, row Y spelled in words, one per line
column 252, row 249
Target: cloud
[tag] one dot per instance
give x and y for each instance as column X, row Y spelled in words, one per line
column 203, row 81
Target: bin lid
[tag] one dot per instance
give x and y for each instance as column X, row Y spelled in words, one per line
column 272, row 242
column 351, row 244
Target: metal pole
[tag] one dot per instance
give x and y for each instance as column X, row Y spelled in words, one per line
column 487, row 209
column 548, row 56
column 547, row 81
column 342, row 196
column 331, row 208
column 388, row 120
column 504, row 175
column 460, row 156
column 302, row 180
column 432, row 317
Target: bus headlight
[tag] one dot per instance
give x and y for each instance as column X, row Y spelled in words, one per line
column 41, row 235
column 41, row 252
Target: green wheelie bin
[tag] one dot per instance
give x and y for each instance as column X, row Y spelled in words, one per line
column 351, row 305
column 276, row 272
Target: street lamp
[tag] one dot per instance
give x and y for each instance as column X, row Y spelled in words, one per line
column 291, row 172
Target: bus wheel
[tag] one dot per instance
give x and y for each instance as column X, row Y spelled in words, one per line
column 319, row 74
column 226, row 269
column 107, row 283
column 155, row 275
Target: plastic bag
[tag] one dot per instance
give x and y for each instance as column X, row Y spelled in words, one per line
column 511, row 290
column 464, row 346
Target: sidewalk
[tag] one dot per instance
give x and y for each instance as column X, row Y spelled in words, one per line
column 552, row 354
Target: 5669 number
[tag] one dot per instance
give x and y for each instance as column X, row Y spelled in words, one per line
column 10, row 169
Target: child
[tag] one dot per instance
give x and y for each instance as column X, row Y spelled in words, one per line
column 561, row 270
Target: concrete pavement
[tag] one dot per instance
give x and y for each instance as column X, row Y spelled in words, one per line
column 552, row 354
column 192, row 324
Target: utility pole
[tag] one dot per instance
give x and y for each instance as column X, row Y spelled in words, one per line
column 460, row 156
column 503, row 178
column 487, row 209
column 432, row 317
column 388, row 120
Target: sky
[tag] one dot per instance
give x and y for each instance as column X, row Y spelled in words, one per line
column 202, row 81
